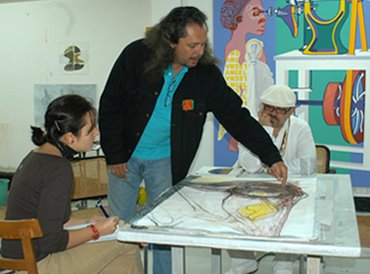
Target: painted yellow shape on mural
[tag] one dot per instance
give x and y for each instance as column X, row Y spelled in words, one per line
column 236, row 77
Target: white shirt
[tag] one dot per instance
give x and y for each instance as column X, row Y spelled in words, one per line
column 299, row 144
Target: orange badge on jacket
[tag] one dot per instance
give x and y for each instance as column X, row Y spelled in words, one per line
column 187, row 104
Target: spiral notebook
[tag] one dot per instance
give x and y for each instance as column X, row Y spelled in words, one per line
column 108, row 237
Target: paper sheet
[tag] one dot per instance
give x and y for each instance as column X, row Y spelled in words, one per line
column 203, row 208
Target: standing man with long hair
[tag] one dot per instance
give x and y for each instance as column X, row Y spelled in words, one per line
column 153, row 109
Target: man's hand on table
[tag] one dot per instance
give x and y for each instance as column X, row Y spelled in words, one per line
column 280, row 171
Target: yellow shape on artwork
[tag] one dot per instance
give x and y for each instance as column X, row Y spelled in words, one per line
column 258, row 211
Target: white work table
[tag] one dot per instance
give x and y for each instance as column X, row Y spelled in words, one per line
column 338, row 233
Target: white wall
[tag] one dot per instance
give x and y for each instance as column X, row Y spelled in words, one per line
column 205, row 153
column 31, row 34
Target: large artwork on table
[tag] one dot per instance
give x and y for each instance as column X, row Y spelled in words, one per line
column 236, row 207
column 251, row 35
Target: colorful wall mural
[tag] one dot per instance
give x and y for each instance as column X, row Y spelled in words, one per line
column 319, row 48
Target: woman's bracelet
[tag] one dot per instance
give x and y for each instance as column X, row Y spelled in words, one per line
column 95, row 231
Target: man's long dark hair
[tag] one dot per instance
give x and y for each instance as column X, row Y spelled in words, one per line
column 168, row 31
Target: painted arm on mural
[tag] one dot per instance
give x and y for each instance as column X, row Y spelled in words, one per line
column 249, row 78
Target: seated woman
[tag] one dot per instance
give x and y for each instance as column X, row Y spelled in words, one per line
column 41, row 189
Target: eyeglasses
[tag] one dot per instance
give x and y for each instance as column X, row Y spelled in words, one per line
column 278, row 110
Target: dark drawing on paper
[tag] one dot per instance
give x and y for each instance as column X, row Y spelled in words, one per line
column 256, row 208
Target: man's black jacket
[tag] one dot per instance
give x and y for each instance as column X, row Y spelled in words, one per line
column 128, row 101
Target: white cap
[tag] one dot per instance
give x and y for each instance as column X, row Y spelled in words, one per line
column 279, row 96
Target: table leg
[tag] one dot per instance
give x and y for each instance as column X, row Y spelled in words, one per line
column 146, row 259
column 178, row 259
column 313, row 265
column 216, row 261
column 301, row 264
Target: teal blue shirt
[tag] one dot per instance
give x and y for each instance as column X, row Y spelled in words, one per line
column 155, row 142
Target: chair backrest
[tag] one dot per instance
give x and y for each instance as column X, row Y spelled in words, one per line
column 24, row 230
column 90, row 178
column 322, row 159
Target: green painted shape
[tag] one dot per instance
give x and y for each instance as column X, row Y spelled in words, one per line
column 324, row 33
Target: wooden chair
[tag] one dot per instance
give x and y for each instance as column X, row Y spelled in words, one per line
column 323, row 159
column 24, row 230
column 90, row 178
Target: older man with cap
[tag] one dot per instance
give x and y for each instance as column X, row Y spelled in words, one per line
column 293, row 137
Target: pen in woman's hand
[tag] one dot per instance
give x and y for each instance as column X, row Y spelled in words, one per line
column 104, row 211
column 99, row 204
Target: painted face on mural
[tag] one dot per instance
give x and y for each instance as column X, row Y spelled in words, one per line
column 254, row 18
column 190, row 48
